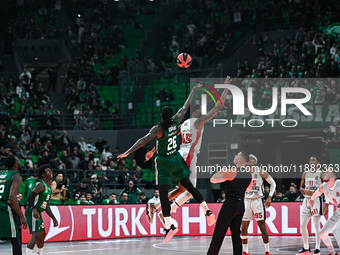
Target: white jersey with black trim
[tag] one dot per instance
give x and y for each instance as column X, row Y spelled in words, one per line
column 333, row 194
column 257, row 185
column 312, row 181
column 191, row 136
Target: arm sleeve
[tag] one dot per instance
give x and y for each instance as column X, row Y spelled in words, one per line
column 272, row 183
column 31, row 199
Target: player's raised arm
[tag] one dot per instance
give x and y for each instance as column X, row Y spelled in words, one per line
column 16, row 182
column 224, row 175
column 205, row 118
column 142, row 141
column 181, row 112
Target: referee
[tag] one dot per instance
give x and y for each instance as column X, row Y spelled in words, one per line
column 232, row 209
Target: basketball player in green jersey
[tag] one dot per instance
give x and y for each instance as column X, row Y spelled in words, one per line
column 10, row 181
column 38, row 201
column 169, row 162
column 29, row 186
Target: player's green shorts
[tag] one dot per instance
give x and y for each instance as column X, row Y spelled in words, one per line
column 8, row 227
column 33, row 224
column 170, row 166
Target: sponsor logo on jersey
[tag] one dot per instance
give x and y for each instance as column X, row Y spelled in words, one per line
column 255, row 176
column 337, row 194
column 316, row 177
column 3, row 176
column 172, row 128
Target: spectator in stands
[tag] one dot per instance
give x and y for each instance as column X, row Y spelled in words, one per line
column 82, row 189
column 81, row 84
column 334, row 127
column 25, row 138
column 132, row 192
column 65, row 140
column 84, row 164
column 56, row 163
column 23, row 153
column 124, row 199
column 162, row 96
column 100, row 144
column 75, row 161
column 221, row 199
column 23, row 96
column 74, row 143
column 89, row 198
column 45, row 159
column 28, row 162
column 327, row 139
column 111, row 200
column 82, row 200
column 142, row 198
column 96, row 187
column 65, row 159
column 292, row 195
column 137, row 175
column 58, row 190
column 278, row 197
column 106, row 153
column 83, row 145
column 25, row 77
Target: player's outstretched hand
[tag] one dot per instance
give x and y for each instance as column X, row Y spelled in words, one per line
column 228, row 80
column 123, row 155
column 268, row 202
column 55, row 223
column 149, row 155
column 23, row 222
column 311, row 202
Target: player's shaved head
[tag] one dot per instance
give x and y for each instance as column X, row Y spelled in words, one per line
column 329, row 174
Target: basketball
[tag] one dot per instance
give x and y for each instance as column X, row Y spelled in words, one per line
column 184, row 60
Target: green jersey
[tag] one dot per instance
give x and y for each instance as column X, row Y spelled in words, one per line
column 78, row 202
column 167, row 145
column 29, row 186
column 5, row 184
column 41, row 200
column 107, row 201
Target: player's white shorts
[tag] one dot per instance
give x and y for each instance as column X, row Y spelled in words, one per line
column 307, row 210
column 190, row 158
column 254, row 208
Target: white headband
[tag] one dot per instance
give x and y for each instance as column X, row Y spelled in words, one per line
column 253, row 156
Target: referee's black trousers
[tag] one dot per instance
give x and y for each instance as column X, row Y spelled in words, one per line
column 230, row 215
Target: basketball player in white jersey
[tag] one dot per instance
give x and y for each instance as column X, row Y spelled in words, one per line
column 331, row 189
column 255, row 205
column 192, row 130
column 310, row 182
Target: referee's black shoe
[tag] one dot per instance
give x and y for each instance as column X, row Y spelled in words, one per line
column 169, row 233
